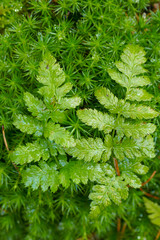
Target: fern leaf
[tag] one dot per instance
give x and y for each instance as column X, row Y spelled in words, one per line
column 97, row 119
column 111, row 102
column 59, row 134
column 140, row 168
column 53, row 148
column 106, row 98
column 28, row 125
column 134, row 148
column 126, row 82
column 133, row 55
column 137, row 94
column 58, row 116
column 108, row 170
column 80, row 171
column 139, row 81
column 67, row 103
column 63, row 90
column 147, row 146
column 137, row 111
column 153, row 210
column 135, row 130
column 50, row 73
column 88, row 149
column 119, row 78
column 35, row 106
column 51, row 76
column 31, row 152
column 128, row 70
column 131, row 179
column 114, row 189
column 132, row 58
column 45, row 176
column 128, row 168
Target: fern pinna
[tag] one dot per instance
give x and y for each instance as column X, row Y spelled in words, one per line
column 153, row 209
column 127, row 140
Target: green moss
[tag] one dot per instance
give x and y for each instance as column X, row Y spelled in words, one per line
column 86, row 37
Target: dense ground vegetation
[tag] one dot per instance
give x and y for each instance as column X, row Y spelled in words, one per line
column 86, row 38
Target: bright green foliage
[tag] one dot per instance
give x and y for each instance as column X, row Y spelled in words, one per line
column 4, row 177
column 78, row 171
column 123, row 80
column 58, row 134
column 134, row 147
column 45, row 176
column 36, row 106
column 53, row 77
column 128, row 140
column 31, row 152
column 153, row 210
column 129, row 168
column 96, row 119
column 89, row 149
column 138, row 94
column 107, row 123
column 115, row 189
column 29, row 125
column 121, row 107
column 135, row 130
column 86, row 37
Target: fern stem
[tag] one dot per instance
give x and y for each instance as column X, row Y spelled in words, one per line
column 6, row 145
column 4, row 138
column 116, row 166
column 149, row 195
column 158, row 235
column 123, row 229
column 149, row 178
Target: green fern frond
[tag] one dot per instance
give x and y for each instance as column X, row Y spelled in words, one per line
column 28, row 125
column 46, row 115
column 80, row 171
column 52, row 76
column 63, row 90
column 76, row 171
column 31, row 152
column 134, row 147
column 135, row 130
column 59, row 134
column 114, row 189
column 139, row 168
column 96, row 119
column 45, row 176
column 131, row 179
column 35, row 106
column 111, row 102
column 153, row 210
column 137, row 94
column 107, row 98
column 129, row 168
column 124, row 81
column 89, row 149
column 67, row 103
column 128, row 139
